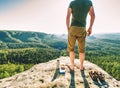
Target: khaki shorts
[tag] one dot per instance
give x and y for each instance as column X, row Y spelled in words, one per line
column 79, row 34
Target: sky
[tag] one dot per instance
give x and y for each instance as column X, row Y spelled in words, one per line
column 49, row 16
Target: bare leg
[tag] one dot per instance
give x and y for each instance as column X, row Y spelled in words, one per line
column 82, row 57
column 72, row 56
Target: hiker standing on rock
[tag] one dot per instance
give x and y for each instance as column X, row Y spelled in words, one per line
column 77, row 29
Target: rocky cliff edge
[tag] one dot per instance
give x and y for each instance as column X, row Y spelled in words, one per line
column 45, row 75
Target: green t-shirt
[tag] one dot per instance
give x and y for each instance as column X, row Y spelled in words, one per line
column 80, row 9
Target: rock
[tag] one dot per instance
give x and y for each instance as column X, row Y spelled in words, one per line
column 45, row 75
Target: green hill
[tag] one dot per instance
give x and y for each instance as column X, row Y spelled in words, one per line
column 6, row 37
column 22, row 39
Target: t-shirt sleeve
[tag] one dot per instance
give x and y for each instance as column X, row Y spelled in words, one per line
column 70, row 5
column 91, row 4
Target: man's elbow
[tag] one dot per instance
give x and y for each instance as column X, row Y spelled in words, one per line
column 93, row 16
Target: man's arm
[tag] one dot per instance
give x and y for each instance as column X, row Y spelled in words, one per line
column 68, row 18
column 92, row 18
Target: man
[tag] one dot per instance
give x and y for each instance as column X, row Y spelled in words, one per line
column 77, row 29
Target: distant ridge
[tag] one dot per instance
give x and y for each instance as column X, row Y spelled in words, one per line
column 25, row 39
column 113, row 36
column 21, row 36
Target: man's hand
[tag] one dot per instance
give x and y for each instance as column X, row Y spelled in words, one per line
column 89, row 31
column 68, row 28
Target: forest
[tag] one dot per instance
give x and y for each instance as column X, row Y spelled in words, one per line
column 20, row 50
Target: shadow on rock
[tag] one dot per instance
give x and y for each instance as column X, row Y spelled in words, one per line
column 56, row 74
column 72, row 82
column 86, row 84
